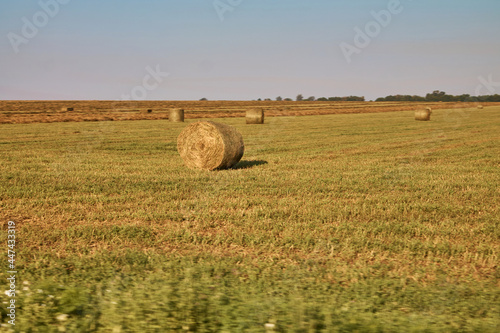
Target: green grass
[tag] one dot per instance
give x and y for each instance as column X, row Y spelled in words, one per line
column 341, row 223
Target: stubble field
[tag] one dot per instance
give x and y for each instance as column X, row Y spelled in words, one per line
column 20, row 112
column 369, row 222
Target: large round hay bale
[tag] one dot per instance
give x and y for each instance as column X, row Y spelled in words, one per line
column 207, row 145
column 67, row 109
column 480, row 107
column 424, row 114
column 255, row 116
column 176, row 115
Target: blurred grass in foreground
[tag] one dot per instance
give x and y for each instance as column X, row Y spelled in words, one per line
column 366, row 222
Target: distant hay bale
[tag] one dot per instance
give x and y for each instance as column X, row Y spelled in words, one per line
column 149, row 110
column 255, row 116
column 480, row 107
column 206, row 145
column 424, row 114
column 67, row 109
column 176, row 115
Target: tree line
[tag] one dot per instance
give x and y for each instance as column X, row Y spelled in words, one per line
column 439, row 96
column 300, row 98
column 435, row 96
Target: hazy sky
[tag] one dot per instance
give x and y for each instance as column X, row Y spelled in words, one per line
column 245, row 49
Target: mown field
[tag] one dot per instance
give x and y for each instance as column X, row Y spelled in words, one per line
column 369, row 222
column 23, row 112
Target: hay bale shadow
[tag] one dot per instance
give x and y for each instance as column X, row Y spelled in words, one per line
column 249, row 164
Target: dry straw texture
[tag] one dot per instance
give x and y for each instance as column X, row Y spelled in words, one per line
column 176, row 115
column 255, row 116
column 206, row 145
column 423, row 114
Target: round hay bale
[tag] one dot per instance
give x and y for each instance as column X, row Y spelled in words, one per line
column 67, row 109
column 255, row 116
column 424, row 114
column 206, row 145
column 149, row 110
column 480, row 107
column 176, row 115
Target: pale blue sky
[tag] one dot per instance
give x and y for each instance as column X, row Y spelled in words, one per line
column 100, row 49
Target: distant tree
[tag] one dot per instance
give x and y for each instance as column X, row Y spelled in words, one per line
column 464, row 98
column 311, row 98
column 279, row 99
column 288, row 99
column 436, row 96
column 347, row 99
column 259, row 99
column 401, row 98
column 299, row 98
column 355, row 99
column 490, row 98
column 267, row 99
column 322, row 99
column 203, row 99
